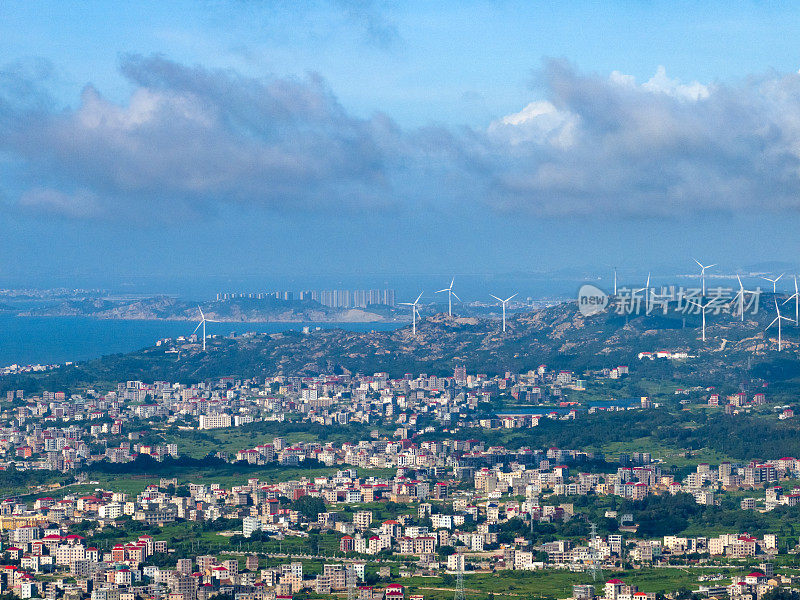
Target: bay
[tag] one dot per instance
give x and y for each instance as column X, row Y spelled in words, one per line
column 55, row 340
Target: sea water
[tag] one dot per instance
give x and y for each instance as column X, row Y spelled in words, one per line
column 55, row 340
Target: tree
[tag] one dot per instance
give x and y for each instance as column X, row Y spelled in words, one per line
column 313, row 542
column 780, row 594
column 309, row 507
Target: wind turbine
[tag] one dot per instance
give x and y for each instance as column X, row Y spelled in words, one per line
column 450, row 294
column 778, row 321
column 702, row 308
column 646, row 290
column 203, row 322
column 414, row 312
column 703, row 273
column 740, row 296
column 503, row 302
column 773, row 281
column 796, row 297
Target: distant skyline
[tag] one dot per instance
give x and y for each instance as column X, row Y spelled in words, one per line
column 193, row 141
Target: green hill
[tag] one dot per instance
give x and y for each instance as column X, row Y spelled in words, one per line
column 558, row 336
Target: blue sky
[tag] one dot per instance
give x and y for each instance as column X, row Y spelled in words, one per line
column 157, row 142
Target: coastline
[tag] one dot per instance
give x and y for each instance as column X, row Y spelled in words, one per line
column 58, row 339
column 185, row 319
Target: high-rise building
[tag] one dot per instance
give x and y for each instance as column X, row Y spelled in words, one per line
column 330, row 298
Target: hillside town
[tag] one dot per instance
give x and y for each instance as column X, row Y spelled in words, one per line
column 413, row 499
column 447, row 529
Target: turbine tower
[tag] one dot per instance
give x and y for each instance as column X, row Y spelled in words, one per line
column 778, row 320
column 615, row 281
column 203, row 322
column 503, row 302
column 414, row 312
column 703, row 273
column 796, row 297
column 702, row 308
column 646, row 290
column 740, row 296
column 450, row 294
column 773, row 281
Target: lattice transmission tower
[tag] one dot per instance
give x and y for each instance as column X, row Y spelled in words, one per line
column 596, row 561
column 350, row 573
column 459, row 595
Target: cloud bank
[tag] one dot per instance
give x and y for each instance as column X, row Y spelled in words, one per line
column 611, row 146
column 189, row 140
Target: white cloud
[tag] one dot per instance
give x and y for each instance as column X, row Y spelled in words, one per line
column 660, row 83
column 659, row 148
column 190, row 140
column 538, row 122
column 673, row 87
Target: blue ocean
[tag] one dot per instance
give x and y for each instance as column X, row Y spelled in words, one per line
column 55, row 340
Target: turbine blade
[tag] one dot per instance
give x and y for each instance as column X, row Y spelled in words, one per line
column 510, row 297
column 496, row 298
column 709, row 266
column 418, row 297
column 456, row 296
column 198, row 326
column 740, row 281
column 699, row 263
column 440, row 291
column 201, row 312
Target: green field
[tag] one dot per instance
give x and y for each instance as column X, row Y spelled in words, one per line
column 134, row 483
column 512, row 585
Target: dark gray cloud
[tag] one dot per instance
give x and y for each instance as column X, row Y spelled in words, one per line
column 612, row 146
column 190, row 140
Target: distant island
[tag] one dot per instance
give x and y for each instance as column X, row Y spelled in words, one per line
column 238, row 310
